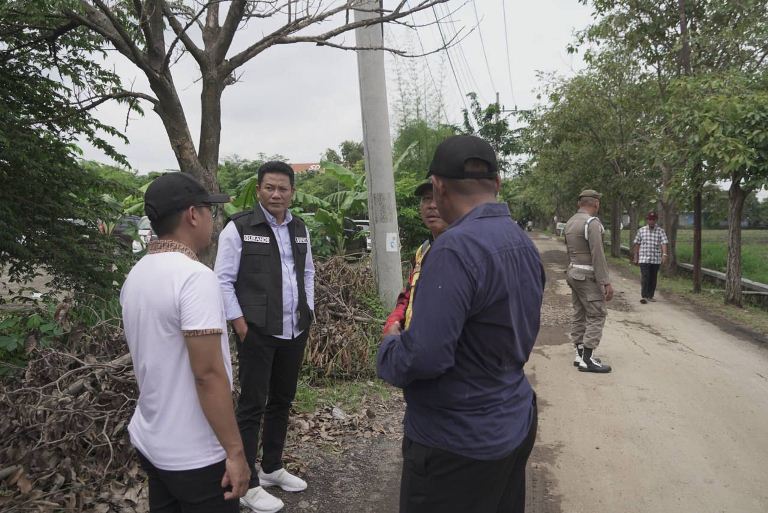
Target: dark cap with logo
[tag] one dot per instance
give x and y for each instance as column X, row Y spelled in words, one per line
column 590, row 193
column 452, row 154
column 422, row 189
column 172, row 192
column 652, row 215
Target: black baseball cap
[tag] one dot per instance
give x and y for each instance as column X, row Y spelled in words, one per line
column 422, row 189
column 176, row 191
column 453, row 153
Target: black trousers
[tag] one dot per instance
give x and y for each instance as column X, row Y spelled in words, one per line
column 187, row 491
column 269, row 371
column 648, row 275
column 438, row 481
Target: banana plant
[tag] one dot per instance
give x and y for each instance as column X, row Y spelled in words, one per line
column 329, row 212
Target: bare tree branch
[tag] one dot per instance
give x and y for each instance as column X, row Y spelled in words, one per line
column 101, row 24
column 281, row 35
column 181, row 33
column 227, row 33
column 402, row 53
column 143, row 21
column 138, row 55
column 95, row 101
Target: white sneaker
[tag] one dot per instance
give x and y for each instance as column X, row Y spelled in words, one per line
column 283, row 479
column 261, row 501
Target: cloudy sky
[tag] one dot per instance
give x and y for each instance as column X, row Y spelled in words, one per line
column 298, row 100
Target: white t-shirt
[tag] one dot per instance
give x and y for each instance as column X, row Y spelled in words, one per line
column 165, row 294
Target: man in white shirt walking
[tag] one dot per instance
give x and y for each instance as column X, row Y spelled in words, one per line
column 650, row 251
column 184, row 426
column 264, row 265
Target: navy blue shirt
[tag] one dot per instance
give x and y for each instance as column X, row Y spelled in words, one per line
column 475, row 319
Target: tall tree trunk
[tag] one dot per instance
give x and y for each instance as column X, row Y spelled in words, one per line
column 634, row 223
column 210, row 140
column 174, row 120
column 210, row 128
column 696, row 257
column 669, row 220
column 616, row 227
column 736, row 197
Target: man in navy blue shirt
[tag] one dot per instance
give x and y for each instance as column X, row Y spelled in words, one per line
column 470, row 421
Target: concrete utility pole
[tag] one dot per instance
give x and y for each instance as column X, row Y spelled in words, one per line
column 382, row 210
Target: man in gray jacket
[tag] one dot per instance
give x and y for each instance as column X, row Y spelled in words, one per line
column 588, row 278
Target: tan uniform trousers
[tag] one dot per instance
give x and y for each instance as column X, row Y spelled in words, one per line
column 589, row 309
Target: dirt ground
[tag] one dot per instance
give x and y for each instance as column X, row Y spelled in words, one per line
column 679, row 426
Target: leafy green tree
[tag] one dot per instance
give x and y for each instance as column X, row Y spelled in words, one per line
column 154, row 35
column 50, row 205
column 328, row 216
column 118, row 181
column 723, row 119
column 493, row 126
column 331, row 155
column 235, row 170
column 352, row 153
column 589, row 135
column 673, row 38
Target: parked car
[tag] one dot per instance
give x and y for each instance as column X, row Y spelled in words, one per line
column 145, row 235
column 133, row 232
column 363, row 230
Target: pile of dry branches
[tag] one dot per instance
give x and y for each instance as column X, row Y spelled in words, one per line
column 63, row 422
column 343, row 340
column 64, row 443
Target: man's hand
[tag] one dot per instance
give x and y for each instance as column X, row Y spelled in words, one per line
column 237, row 475
column 608, row 291
column 241, row 328
column 664, row 258
column 394, row 329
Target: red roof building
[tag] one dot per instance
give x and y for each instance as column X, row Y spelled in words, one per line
column 305, row 168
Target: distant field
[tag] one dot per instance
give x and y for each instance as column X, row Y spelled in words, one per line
column 714, row 250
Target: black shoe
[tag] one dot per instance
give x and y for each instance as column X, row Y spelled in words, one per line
column 591, row 364
column 643, row 301
column 580, row 355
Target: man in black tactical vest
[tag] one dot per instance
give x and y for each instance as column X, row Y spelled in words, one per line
column 264, row 265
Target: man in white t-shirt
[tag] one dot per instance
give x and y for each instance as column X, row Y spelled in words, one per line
column 184, row 426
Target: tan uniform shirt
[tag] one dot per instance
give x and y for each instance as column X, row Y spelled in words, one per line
column 587, row 252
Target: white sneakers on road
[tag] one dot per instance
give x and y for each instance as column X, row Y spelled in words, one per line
column 283, row 479
column 259, row 500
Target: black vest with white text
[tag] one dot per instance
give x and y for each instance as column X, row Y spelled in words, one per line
column 259, row 285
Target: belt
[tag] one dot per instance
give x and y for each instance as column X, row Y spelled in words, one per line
column 583, row 267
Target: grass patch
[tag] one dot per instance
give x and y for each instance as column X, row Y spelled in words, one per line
column 711, row 299
column 347, row 395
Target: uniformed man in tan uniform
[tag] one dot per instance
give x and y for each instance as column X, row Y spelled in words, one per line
column 588, row 278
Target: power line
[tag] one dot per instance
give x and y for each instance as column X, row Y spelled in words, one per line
column 429, row 68
column 482, row 44
column 466, row 72
column 450, row 61
column 506, row 41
